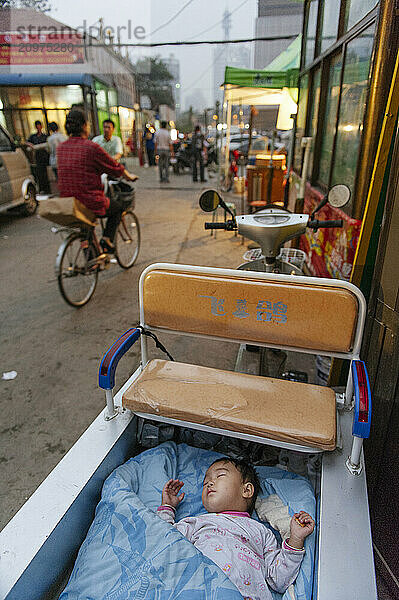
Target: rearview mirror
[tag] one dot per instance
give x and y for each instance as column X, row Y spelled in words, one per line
column 209, row 200
column 339, row 195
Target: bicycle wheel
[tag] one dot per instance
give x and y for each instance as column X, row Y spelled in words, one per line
column 127, row 240
column 77, row 275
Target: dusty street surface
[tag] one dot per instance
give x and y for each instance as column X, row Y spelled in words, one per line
column 56, row 349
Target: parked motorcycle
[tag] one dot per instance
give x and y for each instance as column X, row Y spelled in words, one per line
column 182, row 159
column 271, row 228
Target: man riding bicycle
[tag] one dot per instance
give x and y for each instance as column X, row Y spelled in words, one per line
column 81, row 163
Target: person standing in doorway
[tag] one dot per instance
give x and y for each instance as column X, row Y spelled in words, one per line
column 53, row 141
column 164, row 149
column 41, row 158
column 108, row 141
column 198, row 148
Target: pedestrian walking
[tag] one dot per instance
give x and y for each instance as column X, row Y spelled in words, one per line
column 108, row 141
column 164, row 149
column 41, row 158
column 149, row 142
column 198, row 149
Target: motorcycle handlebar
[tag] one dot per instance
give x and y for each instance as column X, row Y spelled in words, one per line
column 316, row 224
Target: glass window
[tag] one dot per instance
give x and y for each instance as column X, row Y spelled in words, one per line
column 314, row 113
column 22, row 97
column 355, row 10
column 28, row 118
column 353, row 100
column 59, row 117
column 301, row 121
column 330, row 116
column 329, row 26
column 14, row 125
column 62, row 96
column 101, row 98
column 112, row 98
column 311, row 26
column 5, row 144
column 2, row 116
column 258, row 144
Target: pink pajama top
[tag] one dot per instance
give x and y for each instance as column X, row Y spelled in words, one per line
column 243, row 548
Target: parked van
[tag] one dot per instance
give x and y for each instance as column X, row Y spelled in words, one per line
column 17, row 184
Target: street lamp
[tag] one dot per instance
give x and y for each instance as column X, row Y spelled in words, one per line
column 206, row 110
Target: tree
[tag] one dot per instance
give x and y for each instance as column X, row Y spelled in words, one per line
column 40, row 5
column 153, row 80
column 185, row 122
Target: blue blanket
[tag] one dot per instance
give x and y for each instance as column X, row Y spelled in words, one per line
column 130, row 553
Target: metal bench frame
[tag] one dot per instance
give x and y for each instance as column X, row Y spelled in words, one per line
column 344, row 401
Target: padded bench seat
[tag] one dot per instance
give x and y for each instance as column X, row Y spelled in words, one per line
column 281, row 410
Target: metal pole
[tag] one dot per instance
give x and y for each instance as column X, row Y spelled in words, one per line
column 217, row 130
column 305, row 143
column 242, row 184
column 270, row 180
column 353, row 462
column 290, row 160
column 221, row 167
column 251, row 124
column 227, row 147
column 111, row 412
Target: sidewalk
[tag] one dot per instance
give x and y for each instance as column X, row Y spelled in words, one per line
column 196, row 246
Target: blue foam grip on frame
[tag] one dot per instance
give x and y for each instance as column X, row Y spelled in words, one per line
column 110, row 360
column 360, row 429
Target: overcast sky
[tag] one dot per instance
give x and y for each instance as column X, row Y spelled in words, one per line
column 195, row 62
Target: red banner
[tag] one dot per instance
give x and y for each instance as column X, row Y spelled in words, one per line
column 330, row 252
column 41, row 49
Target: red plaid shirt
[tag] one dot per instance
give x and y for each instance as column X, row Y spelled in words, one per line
column 80, row 166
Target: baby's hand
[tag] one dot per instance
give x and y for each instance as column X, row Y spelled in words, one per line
column 301, row 526
column 170, row 492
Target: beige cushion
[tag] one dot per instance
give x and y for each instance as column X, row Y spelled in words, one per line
column 281, row 410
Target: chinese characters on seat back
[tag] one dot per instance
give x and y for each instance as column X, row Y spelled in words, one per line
column 266, row 310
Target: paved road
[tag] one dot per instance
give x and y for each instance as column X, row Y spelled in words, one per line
column 56, row 349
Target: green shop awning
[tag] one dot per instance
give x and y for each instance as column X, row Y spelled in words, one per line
column 261, row 79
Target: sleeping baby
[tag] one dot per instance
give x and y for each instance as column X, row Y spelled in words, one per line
column 243, row 548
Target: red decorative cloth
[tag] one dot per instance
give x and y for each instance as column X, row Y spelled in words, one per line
column 80, row 166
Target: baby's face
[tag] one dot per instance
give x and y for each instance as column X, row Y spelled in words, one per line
column 223, row 489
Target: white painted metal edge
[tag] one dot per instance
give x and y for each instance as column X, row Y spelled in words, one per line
column 23, row 537
column 346, row 562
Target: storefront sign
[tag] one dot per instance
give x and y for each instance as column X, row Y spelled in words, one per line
column 330, row 252
column 41, row 49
